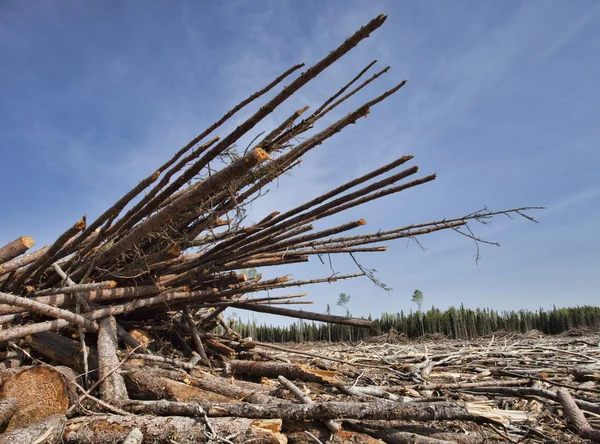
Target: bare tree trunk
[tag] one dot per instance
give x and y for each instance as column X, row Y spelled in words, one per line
column 306, row 315
column 112, row 389
column 8, row 407
column 112, row 429
column 48, row 431
column 433, row 411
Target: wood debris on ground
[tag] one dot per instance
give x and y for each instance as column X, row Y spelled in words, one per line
column 115, row 332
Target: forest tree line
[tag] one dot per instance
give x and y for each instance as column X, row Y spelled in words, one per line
column 454, row 323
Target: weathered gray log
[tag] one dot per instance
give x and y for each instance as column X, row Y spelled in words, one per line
column 112, row 389
column 111, row 429
column 434, row 411
column 8, row 407
column 48, row 431
column 301, row 314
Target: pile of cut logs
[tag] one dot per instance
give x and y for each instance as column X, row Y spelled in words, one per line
column 116, row 330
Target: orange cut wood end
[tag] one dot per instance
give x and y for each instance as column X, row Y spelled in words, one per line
column 27, row 241
column 362, row 222
column 260, row 155
column 174, row 251
column 112, row 284
column 301, row 110
column 80, row 225
column 155, row 175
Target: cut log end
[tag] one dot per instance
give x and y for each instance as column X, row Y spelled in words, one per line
column 301, row 110
column 27, row 241
column 39, row 391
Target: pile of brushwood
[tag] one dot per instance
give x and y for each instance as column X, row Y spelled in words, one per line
column 115, row 332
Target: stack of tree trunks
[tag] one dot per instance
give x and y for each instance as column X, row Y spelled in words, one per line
column 115, row 332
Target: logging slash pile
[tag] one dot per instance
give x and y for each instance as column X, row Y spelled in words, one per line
column 115, row 332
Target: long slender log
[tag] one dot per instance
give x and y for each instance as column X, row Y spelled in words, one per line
column 313, row 236
column 15, row 248
column 21, row 261
column 47, row 310
column 433, row 411
column 353, row 92
column 330, row 250
column 77, row 288
column 344, row 88
column 235, row 389
column 300, row 314
column 151, row 385
column 352, row 241
column 113, row 388
column 103, row 295
column 266, row 144
column 48, row 430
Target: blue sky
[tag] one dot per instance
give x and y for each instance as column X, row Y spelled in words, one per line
column 501, row 101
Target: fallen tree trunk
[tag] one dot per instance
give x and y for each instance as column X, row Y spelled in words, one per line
column 14, row 249
column 301, row 314
column 48, row 431
column 111, row 429
column 113, row 388
column 434, row 411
